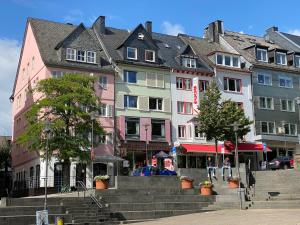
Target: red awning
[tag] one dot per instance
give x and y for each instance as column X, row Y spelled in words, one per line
column 204, row 148
column 229, row 147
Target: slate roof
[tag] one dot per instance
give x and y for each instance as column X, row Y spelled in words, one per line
column 293, row 38
column 243, row 43
column 50, row 34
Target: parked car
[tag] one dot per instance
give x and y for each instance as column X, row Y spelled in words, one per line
column 292, row 162
column 283, row 162
column 151, row 171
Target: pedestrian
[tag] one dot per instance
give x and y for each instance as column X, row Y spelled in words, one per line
column 227, row 166
column 210, row 166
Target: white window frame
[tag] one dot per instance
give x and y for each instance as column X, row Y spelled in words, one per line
column 268, row 127
column 265, row 102
column 281, row 54
column 153, row 52
column 287, row 106
column 285, row 78
column 182, row 132
column 265, row 75
column 57, row 74
column 198, row 135
column 84, row 56
column 297, row 57
column 94, row 57
column 231, row 60
column 289, row 125
column 156, row 101
column 189, row 61
column 101, row 83
column 262, row 50
column 127, row 99
column 235, row 80
column 73, row 53
column 135, row 50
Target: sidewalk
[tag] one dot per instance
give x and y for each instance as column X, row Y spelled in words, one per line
column 234, row 217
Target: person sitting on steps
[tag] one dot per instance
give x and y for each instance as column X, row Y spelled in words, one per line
column 210, row 166
column 226, row 165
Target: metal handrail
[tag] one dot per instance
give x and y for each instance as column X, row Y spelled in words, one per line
column 100, row 206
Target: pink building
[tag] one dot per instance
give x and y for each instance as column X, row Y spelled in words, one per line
column 51, row 49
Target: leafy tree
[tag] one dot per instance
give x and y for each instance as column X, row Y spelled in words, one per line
column 216, row 117
column 5, row 160
column 67, row 102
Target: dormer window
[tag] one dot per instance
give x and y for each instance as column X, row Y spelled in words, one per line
column 297, row 61
column 189, row 62
column 280, row 58
column 91, row 57
column 81, row 57
column 71, row 54
column 261, row 55
column 150, row 56
column 228, row 60
column 131, row 53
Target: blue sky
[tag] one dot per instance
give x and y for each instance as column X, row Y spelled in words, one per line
column 189, row 16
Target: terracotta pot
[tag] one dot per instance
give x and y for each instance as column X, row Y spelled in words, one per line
column 233, row 184
column 101, row 184
column 186, row 184
column 206, row 191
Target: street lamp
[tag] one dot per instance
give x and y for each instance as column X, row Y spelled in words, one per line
column 235, row 126
column 47, row 130
column 146, row 129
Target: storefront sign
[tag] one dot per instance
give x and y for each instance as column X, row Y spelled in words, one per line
column 195, row 94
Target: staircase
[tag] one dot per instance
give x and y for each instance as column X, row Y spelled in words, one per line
column 278, row 189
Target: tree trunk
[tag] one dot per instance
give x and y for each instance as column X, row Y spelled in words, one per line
column 216, row 159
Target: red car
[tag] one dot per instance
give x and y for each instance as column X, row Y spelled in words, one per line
column 292, row 163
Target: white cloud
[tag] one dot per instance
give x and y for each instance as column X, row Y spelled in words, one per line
column 172, row 29
column 9, row 56
column 295, row 32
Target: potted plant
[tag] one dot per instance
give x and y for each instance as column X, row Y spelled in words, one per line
column 186, row 182
column 101, row 181
column 233, row 182
column 206, row 188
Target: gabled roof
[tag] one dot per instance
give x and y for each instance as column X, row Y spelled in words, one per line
column 187, row 48
column 293, row 38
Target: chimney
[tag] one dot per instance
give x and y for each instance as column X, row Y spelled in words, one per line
column 99, row 25
column 213, row 31
column 148, row 27
column 272, row 29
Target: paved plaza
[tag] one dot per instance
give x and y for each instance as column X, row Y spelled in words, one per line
column 234, row 217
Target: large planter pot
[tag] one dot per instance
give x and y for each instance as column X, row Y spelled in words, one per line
column 186, row 184
column 233, row 184
column 101, row 184
column 206, row 191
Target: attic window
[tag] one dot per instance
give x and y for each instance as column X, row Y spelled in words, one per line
column 141, row 36
column 280, row 58
column 150, row 56
column 297, row 61
column 131, row 53
column 81, row 56
column 261, row 55
column 71, row 54
column 189, row 62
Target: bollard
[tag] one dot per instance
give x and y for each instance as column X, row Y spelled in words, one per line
column 59, row 221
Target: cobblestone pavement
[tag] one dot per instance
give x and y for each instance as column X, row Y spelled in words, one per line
column 234, row 217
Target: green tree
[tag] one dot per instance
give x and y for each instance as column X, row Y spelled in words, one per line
column 67, row 102
column 215, row 117
column 5, row 160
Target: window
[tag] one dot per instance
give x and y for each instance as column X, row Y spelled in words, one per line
column 181, row 131
column 264, row 79
column 184, row 107
column 286, row 82
column 158, row 129
column 132, row 126
column 189, row 62
column 297, row 61
column 103, row 82
column 228, row 60
column 106, row 110
column 57, row 74
column 198, row 135
column 155, row 103
column 184, row 83
column 71, row 54
column 231, row 84
column 281, row 58
column 81, row 56
column 266, row 103
column 203, row 85
column 131, row 53
column 102, row 139
column 130, row 101
column 287, row 105
column 261, row 55
column 150, row 56
column 130, row 77
column 91, row 57
column 268, row 127
column 290, row 129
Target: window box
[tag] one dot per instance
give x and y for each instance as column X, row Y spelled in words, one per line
column 131, row 53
